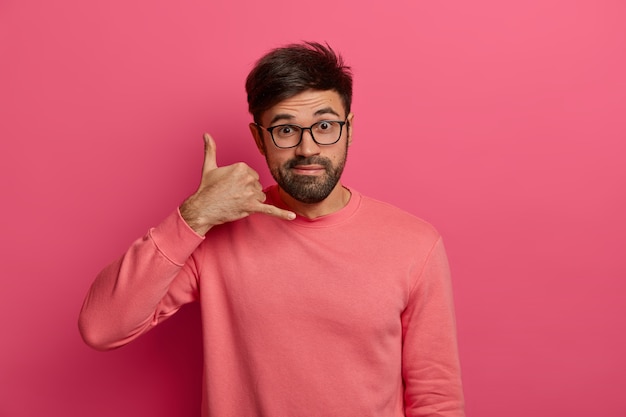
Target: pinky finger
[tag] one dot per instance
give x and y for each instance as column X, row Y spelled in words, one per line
column 276, row 212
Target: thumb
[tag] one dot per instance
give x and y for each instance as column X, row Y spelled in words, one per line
column 210, row 154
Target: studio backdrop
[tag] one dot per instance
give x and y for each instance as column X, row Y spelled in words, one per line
column 502, row 123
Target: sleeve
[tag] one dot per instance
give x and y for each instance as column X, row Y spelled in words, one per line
column 149, row 283
column 431, row 369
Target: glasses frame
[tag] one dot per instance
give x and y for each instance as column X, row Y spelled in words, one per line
column 302, row 129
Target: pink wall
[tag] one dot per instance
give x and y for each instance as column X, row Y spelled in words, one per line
column 503, row 123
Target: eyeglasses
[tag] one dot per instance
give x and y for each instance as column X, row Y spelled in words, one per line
column 324, row 132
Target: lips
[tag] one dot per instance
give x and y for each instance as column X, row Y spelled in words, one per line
column 309, row 169
column 309, row 166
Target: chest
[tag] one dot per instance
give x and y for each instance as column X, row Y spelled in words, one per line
column 309, row 284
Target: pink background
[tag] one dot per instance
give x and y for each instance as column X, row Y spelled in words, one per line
column 501, row 122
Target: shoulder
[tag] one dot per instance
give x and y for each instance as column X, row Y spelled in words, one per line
column 394, row 219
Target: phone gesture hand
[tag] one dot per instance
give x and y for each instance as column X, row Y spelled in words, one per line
column 226, row 194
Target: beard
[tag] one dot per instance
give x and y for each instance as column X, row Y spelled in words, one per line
column 309, row 189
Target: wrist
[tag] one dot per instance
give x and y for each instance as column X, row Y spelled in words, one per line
column 191, row 215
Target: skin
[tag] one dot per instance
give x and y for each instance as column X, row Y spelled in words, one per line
column 304, row 109
column 233, row 192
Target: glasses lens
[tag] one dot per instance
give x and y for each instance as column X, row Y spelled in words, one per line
column 326, row 132
column 286, row 136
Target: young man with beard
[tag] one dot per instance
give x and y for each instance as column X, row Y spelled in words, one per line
column 315, row 300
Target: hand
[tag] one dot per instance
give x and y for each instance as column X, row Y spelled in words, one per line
column 226, row 194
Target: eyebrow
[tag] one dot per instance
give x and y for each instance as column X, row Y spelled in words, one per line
column 289, row 117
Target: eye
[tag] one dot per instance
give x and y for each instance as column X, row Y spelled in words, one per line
column 324, row 126
column 285, row 130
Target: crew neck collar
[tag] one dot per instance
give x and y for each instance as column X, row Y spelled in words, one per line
column 339, row 216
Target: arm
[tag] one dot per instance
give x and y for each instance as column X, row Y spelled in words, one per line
column 431, row 369
column 149, row 283
column 157, row 275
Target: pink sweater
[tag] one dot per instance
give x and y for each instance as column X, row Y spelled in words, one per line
column 350, row 314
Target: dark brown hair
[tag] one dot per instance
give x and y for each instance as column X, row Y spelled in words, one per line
column 284, row 72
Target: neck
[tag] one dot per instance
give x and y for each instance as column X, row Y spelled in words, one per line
column 336, row 200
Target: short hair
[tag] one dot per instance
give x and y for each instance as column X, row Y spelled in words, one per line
column 292, row 69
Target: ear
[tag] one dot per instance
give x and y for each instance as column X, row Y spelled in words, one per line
column 349, row 127
column 258, row 137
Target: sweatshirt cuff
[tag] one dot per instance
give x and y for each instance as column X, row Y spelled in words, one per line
column 175, row 239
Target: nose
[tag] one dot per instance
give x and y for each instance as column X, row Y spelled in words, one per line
column 307, row 146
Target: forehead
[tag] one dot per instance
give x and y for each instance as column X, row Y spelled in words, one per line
column 305, row 106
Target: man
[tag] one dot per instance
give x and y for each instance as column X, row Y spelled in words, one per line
column 315, row 300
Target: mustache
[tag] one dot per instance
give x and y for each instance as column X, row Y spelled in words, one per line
column 310, row 160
